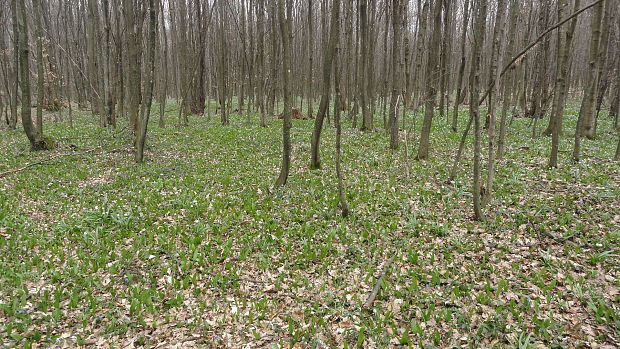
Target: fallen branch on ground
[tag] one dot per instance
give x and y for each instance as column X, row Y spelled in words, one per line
column 375, row 291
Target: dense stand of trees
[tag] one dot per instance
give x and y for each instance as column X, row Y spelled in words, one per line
column 375, row 58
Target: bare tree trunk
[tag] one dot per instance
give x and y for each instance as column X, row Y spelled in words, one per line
column 260, row 17
column 133, row 64
column 315, row 160
column 397, row 22
column 36, row 4
column 341, row 196
column 507, row 92
column 363, row 73
column 565, row 38
column 147, row 96
column 586, row 113
column 107, row 64
column 223, row 65
column 432, row 69
column 15, row 96
column 24, row 66
column 287, row 37
column 445, row 58
column 459, row 83
column 474, row 109
column 164, row 62
column 310, row 45
column 498, row 34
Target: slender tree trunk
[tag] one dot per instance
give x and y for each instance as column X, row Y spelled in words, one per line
column 341, row 195
column 15, row 96
column 164, row 62
column 363, row 73
column 223, row 65
column 474, row 108
column 148, row 86
column 397, row 22
column 310, row 45
column 36, row 4
column 507, row 92
column 586, row 113
column 24, row 66
column 445, row 59
column 432, row 70
column 133, row 64
column 565, row 38
column 461, row 73
column 109, row 90
column 315, row 160
column 287, row 37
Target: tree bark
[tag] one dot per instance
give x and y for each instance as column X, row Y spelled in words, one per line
column 36, row 4
column 147, row 96
column 397, row 23
column 507, row 92
column 461, row 73
column 474, row 109
column 431, row 82
column 35, row 140
column 315, row 159
column 344, row 206
column 586, row 113
column 287, row 37
column 15, row 96
column 565, row 38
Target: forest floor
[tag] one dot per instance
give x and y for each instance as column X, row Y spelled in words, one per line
column 196, row 248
